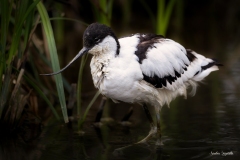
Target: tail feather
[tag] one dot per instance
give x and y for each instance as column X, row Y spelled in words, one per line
column 206, row 69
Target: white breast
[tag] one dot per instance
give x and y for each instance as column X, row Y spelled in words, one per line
column 118, row 77
column 99, row 71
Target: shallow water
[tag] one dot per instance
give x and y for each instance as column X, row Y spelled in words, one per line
column 205, row 126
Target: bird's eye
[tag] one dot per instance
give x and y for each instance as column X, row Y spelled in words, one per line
column 97, row 40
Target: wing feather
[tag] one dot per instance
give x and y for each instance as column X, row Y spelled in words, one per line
column 167, row 64
column 166, row 61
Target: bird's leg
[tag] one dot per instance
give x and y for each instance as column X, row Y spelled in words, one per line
column 100, row 110
column 153, row 130
column 148, row 114
column 159, row 142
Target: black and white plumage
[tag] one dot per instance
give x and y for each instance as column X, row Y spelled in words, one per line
column 142, row 68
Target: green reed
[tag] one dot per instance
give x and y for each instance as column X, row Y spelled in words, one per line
column 164, row 13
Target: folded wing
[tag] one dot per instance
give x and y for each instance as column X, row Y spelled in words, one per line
column 167, row 64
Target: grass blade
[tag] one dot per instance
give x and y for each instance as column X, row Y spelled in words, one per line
column 40, row 92
column 54, row 58
column 169, row 10
column 160, row 17
column 20, row 19
column 163, row 15
column 80, row 124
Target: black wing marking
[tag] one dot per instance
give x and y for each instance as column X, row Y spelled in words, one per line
column 146, row 41
column 209, row 65
column 190, row 55
column 159, row 82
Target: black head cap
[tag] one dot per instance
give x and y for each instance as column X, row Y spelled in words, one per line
column 95, row 33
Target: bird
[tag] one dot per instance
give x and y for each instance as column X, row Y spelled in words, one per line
column 147, row 69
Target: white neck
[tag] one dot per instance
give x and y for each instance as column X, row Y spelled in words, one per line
column 102, row 53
